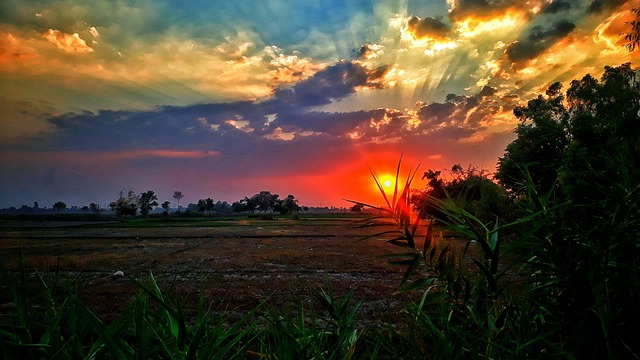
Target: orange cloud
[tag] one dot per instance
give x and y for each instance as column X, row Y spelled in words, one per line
column 69, row 43
column 14, row 49
column 611, row 31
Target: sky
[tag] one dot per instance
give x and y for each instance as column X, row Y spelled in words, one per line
column 224, row 99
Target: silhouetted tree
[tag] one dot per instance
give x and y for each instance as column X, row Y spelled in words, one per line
column 206, row 205
column 178, row 195
column 95, row 208
column 538, row 151
column 147, row 201
column 357, row 208
column 59, row 206
column 633, row 37
column 165, row 205
column 288, row 205
column 125, row 206
column 582, row 156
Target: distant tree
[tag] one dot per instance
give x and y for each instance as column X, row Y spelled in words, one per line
column 469, row 189
column 147, row 201
column 95, row 208
column 206, row 205
column 178, row 195
column 241, row 205
column 59, row 206
column 222, row 207
column 36, row 206
column 357, row 208
column 125, row 206
column 263, row 201
column 166, row 205
column 288, row 205
column 633, row 37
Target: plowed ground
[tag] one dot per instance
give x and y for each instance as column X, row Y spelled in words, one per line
column 236, row 264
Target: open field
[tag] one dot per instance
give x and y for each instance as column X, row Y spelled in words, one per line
column 236, row 262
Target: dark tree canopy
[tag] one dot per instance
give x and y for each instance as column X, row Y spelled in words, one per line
column 147, row 201
column 58, row 206
column 562, row 145
column 633, row 36
column 125, row 206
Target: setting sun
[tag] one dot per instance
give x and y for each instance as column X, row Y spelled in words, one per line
column 387, row 183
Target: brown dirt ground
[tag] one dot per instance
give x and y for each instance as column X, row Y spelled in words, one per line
column 236, row 264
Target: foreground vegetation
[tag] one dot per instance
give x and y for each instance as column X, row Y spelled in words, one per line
column 549, row 268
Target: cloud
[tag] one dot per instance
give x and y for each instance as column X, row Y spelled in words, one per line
column 556, row 6
column 477, row 9
column 69, row 43
column 428, row 28
column 598, row 6
column 369, row 51
column 537, row 41
column 334, row 82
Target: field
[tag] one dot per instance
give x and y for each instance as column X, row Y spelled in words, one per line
column 236, row 262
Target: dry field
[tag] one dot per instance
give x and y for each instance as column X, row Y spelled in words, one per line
column 235, row 263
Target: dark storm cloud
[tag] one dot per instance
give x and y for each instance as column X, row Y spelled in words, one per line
column 332, row 83
column 218, row 126
column 538, row 41
column 597, row 6
column 556, row 7
column 428, row 28
column 331, row 123
column 487, row 91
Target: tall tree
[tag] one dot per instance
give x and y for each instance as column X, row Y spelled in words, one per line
column 538, row 151
column 585, row 248
column 178, row 195
column 147, row 201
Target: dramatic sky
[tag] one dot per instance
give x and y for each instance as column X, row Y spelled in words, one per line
column 224, row 99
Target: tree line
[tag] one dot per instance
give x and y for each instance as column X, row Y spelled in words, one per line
column 130, row 203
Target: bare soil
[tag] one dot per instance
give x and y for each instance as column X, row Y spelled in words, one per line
column 236, row 264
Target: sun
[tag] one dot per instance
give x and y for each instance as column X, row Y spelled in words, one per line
column 387, row 183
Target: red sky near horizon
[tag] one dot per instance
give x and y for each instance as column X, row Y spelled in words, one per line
column 225, row 100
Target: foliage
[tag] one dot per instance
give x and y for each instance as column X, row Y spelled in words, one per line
column 59, row 205
column 125, row 206
column 470, row 189
column 206, row 205
column 263, row 201
column 166, row 205
column 538, row 149
column 633, row 37
column 147, row 201
column 288, row 205
column 95, row 208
